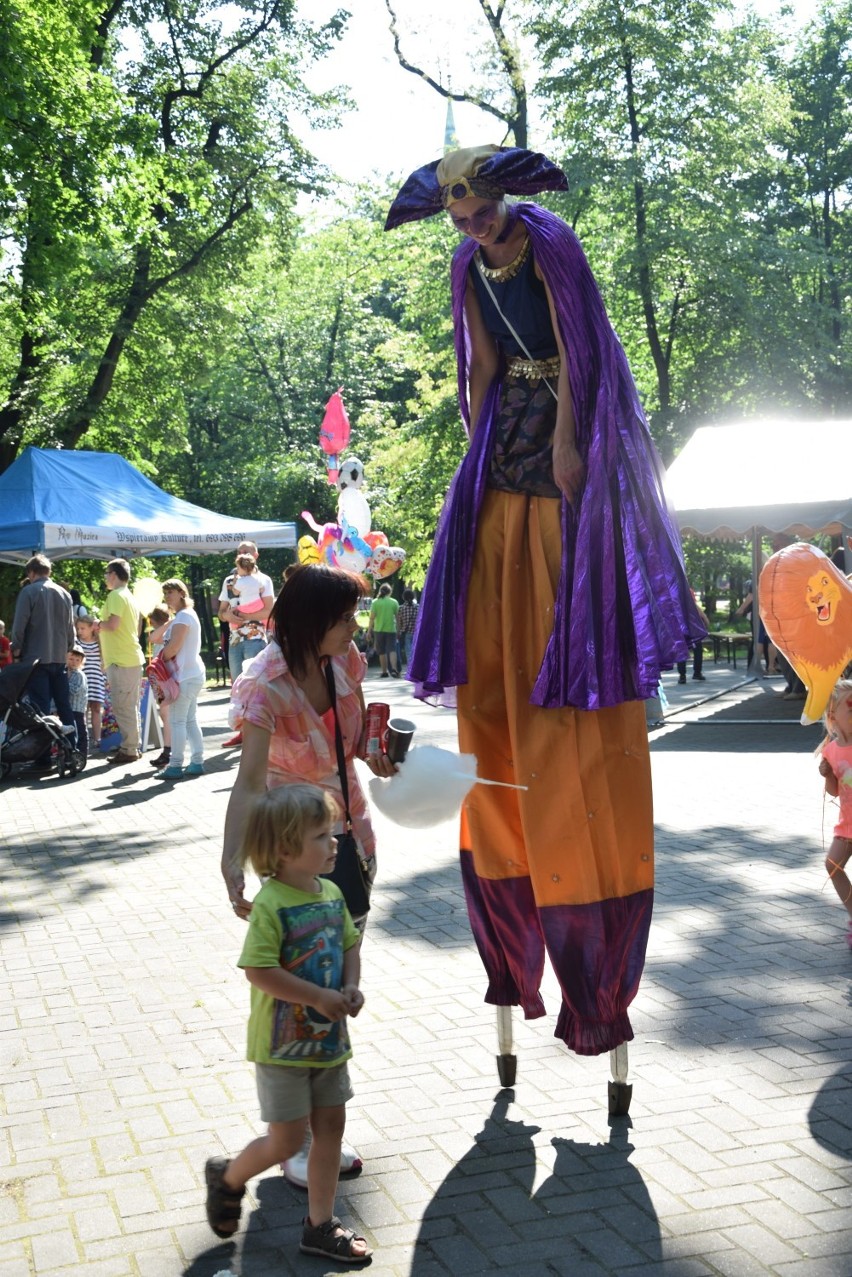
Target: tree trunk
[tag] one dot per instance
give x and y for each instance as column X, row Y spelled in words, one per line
column 646, row 292
column 80, row 418
column 23, row 389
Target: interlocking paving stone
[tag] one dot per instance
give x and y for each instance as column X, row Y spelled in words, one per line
column 123, row 1029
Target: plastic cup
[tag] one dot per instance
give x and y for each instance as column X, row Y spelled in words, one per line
column 399, row 734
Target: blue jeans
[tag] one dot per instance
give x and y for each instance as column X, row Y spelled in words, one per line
column 240, row 652
column 182, row 715
column 50, row 683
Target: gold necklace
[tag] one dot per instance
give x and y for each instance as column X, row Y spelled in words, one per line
column 501, row 274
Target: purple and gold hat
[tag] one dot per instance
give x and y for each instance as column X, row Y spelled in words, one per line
column 489, row 172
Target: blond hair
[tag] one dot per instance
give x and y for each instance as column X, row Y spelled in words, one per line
column 278, row 822
column 175, row 583
column 843, row 687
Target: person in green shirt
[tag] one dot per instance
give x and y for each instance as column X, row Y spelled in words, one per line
column 381, row 630
column 123, row 658
column 302, row 959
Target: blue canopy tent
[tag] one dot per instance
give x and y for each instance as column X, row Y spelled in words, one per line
column 96, row 505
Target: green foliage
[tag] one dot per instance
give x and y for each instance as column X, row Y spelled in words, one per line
column 145, row 147
column 717, row 568
column 692, row 223
column 348, row 307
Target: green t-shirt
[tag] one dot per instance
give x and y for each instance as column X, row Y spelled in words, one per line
column 384, row 615
column 308, row 935
column 121, row 646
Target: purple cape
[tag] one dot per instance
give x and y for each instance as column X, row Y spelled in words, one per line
column 624, row 610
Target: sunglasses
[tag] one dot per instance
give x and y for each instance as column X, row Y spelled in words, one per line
column 478, row 222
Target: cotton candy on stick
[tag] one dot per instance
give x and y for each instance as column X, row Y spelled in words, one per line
column 429, row 787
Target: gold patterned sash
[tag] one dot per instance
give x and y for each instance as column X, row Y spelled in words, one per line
column 532, row 369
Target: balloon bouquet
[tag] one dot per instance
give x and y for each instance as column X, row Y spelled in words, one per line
column 350, row 542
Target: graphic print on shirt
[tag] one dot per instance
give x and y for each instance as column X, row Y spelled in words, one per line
column 311, row 949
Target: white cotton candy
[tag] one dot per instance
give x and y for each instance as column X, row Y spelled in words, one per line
column 428, row 788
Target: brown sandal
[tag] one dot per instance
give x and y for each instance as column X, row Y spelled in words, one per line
column 325, row 1239
column 223, row 1203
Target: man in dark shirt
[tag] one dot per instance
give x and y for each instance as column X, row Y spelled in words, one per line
column 43, row 631
column 406, row 619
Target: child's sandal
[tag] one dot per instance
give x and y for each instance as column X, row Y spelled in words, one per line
column 223, row 1204
column 332, row 1240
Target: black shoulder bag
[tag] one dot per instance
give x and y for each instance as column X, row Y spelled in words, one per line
column 350, row 872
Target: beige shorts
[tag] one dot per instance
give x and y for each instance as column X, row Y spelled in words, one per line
column 288, row 1092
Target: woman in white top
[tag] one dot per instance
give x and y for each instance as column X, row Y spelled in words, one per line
column 183, row 650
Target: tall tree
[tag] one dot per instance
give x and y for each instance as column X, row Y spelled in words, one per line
column 503, row 90
column 816, row 197
column 663, row 111
column 143, row 144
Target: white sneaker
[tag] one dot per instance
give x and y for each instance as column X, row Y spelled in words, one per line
column 296, row 1169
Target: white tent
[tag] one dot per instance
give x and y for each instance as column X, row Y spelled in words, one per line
column 753, row 478
column 775, row 475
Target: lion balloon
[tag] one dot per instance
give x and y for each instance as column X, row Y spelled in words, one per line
column 806, row 606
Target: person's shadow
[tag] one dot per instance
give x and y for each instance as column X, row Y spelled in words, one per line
column 830, row 1115
column 485, row 1215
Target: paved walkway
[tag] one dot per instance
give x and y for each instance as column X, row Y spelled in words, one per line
column 122, row 1032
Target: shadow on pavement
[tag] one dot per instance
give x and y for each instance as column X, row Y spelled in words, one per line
column 66, row 859
column 486, row 1216
column 762, row 722
column 830, row 1115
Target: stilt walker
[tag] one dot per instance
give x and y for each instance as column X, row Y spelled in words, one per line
column 555, row 596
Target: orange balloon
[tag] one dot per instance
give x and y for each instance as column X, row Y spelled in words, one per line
column 806, row 606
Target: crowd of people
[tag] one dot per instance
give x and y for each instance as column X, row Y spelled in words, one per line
column 90, row 664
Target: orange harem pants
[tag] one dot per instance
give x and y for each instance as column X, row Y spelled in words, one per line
column 565, row 866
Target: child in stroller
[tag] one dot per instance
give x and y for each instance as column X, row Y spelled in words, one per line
column 25, row 733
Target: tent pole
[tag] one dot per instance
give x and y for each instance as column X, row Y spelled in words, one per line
column 755, row 666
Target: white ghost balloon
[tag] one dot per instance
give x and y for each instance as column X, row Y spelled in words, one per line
column 353, row 507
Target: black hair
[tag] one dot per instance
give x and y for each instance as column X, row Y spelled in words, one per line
column 312, row 600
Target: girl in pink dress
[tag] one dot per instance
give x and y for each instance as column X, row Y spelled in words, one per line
column 836, row 768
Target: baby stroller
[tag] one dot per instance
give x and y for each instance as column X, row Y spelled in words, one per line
column 26, row 733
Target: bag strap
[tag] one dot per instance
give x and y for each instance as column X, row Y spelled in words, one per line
column 338, row 742
column 507, row 321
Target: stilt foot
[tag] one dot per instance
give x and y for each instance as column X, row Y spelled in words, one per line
column 619, row 1095
column 507, row 1067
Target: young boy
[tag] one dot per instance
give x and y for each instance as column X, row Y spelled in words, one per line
column 78, row 695
column 301, row 957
